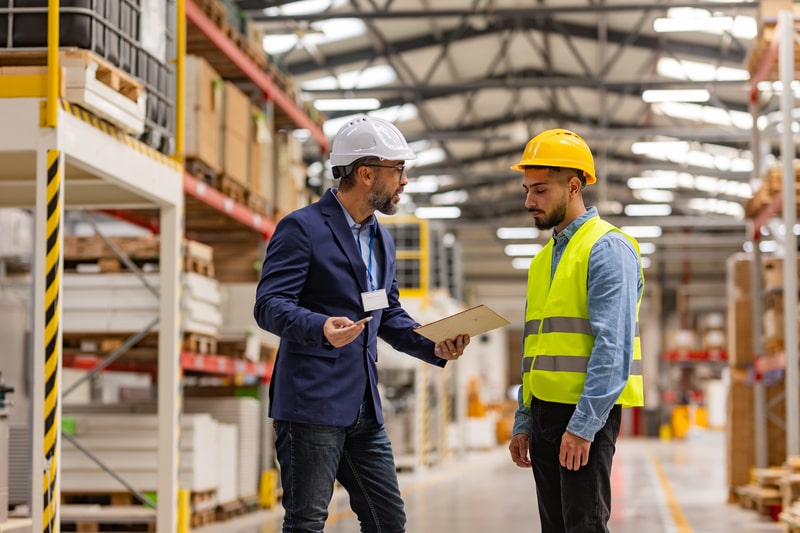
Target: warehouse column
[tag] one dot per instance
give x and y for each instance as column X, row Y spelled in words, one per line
column 786, row 72
column 46, row 396
column 169, row 375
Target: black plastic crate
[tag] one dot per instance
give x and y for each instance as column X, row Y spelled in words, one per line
column 95, row 25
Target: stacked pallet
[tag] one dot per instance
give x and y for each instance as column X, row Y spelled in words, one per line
column 243, row 414
column 740, row 424
column 767, row 18
column 104, row 303
column 790, row 496
column 228, row 141
column 128, row 444
column 771, row 186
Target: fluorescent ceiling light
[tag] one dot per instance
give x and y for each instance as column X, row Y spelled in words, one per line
column 393, row 114
column 646, row 248
column 698, row 71
column 319, row 33
column 653, row 195
column 522, row 250
column 767, row 247
column 715, row 205
column 660, row 149
column 304, row 7
column 438, row 212
column 347, row 104
column 517, row 233
column 521, row 263
column 430, row 156
column 683, row 19
column 714, row 156
column 776, row 87
column 450, row 197
column 423, row 184
column 648, row 210
column 679, row 95
column 705, row 114
column 668, row 179
column 646, row 262
column 366, row 78
column 642, row 232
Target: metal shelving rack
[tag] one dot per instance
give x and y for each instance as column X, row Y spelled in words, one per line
column 53, row 157
column 782, row 50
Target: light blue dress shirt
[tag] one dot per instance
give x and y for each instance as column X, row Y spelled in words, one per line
column 613, row 273
column 364, row 234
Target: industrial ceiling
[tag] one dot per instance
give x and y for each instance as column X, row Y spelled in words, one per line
column 470, row 82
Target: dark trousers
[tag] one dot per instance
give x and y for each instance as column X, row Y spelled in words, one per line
column 571, row 501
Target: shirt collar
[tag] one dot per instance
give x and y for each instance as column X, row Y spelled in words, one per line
column 372, row 220
column 572, row 227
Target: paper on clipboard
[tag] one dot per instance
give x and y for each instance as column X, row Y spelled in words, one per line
column 473, row 321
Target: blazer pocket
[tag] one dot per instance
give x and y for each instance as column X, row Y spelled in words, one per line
column 314, row 351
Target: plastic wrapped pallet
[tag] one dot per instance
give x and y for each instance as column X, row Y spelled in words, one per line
column 244, row 413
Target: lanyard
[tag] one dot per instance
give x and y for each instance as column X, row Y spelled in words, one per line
column 369, row 258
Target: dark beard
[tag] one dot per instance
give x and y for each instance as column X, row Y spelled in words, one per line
column 382, row 204
column 554, row 219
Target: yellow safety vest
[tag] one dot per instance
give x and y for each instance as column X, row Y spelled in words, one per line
column 558, row 336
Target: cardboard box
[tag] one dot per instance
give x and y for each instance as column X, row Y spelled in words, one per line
column 204, row 86
column 740, row 332
column 203, row 137
column 235, row 111
column 234, row 157
column 739, row 275
column 772, row 272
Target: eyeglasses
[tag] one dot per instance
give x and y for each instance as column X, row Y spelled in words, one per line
column 401, row 169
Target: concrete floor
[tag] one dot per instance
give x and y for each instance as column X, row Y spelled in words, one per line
column 658, row 486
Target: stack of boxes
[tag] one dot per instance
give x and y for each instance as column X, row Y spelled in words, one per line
column 740, row 427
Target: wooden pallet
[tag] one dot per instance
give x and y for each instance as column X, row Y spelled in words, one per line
column 106, row 73
column 103, row 344
column 233, row 189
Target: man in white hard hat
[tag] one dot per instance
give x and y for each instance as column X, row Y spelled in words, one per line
column 328, row 266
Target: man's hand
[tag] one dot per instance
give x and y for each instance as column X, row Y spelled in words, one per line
column 574, row 451
column 519, row 447
column 451, row 349
column 340, row 330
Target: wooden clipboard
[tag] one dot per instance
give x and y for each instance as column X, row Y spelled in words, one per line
column 473, row 321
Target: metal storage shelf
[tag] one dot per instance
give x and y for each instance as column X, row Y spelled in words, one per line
column 780, row 50
column 100, row 170
column 221, row 52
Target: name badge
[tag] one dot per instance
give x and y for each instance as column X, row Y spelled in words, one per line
column 373, row 300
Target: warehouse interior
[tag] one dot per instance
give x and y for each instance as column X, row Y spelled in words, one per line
column 150, row 147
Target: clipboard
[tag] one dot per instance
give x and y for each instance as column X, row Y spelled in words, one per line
column 473, row 321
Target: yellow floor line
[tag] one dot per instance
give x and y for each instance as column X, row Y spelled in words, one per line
column 681, row 522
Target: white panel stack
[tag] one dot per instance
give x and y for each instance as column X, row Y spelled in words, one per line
column 227, row 462
column 120, row 303
column 245, row 414
column 128, row 444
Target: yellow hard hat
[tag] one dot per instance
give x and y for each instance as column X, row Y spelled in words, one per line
column 558, row 148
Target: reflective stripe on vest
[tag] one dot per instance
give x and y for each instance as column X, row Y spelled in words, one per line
column 570, row 363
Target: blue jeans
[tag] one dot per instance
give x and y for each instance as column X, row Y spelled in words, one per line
column 571, row 501
column 359, row 456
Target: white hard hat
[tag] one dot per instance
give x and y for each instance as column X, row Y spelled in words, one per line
column 366, row 136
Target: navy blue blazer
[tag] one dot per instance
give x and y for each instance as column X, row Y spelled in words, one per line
column 313, row 270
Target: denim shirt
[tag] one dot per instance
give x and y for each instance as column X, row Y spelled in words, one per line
column 613, row 272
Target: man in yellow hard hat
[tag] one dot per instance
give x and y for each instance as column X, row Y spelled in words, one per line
column 581, row 351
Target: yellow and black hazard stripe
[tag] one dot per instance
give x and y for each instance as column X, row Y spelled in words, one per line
column 52, row 346
column 121, row 136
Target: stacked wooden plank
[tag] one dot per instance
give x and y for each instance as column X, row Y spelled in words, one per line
column 244, row 415
column 771, row 186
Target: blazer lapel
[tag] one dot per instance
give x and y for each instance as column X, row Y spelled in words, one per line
column 343, row 236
